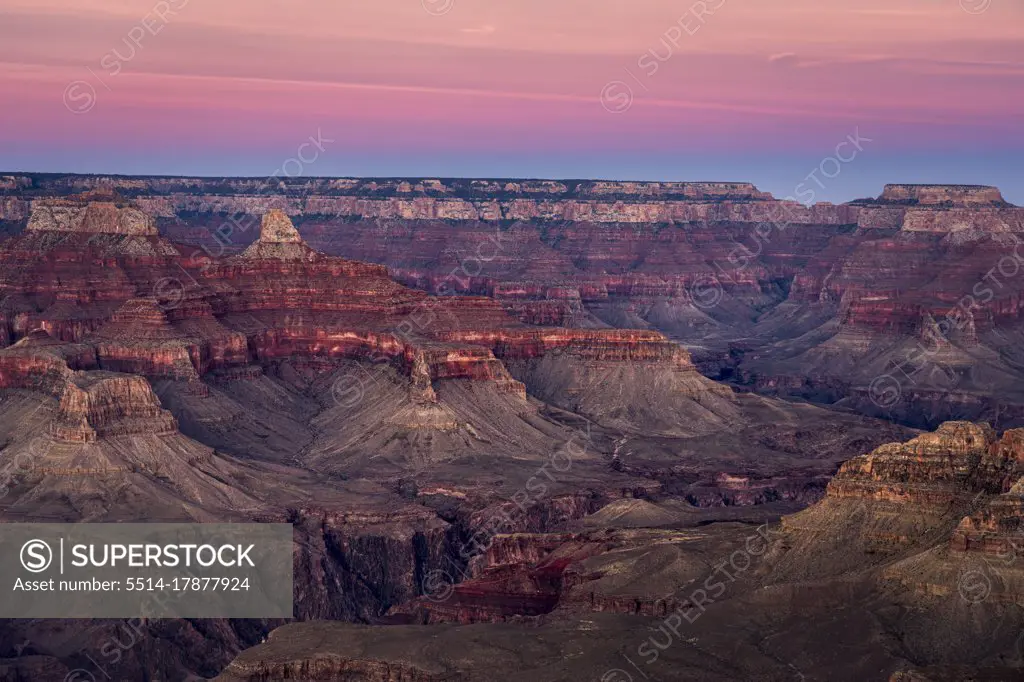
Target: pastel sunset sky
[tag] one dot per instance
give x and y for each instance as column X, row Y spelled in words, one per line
column 755, row 90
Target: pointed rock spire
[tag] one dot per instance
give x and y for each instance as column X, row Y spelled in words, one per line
column 277, row 228
column 279, row 239
column 422, row 390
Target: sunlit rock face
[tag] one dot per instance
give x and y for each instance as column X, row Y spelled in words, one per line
column 945, row 195
column 955, row 487
column 278, row 239
column 94, row 214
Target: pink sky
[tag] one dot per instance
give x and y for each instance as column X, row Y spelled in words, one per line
column 491, row 80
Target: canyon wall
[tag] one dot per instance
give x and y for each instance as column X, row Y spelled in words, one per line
column 823, row 302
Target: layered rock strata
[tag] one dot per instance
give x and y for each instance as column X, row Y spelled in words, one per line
column 276, row 299
column 823, row 302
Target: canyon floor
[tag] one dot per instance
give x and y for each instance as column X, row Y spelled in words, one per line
column 529, row 430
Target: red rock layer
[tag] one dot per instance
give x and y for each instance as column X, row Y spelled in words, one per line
column 143, row 308
column 955, row 486
column 996, row 528
column 100, row 404
column 935, row 470
column 721, row 266
column 608, row 240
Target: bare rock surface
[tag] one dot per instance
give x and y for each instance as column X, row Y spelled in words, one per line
column 531, row 479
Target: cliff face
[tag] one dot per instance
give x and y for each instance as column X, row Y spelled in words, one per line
column 97, row 404
column 923, row 536
column 958, row 195
column 952, row 487
column 996, row 527
column 935, row 470
column 97, row 217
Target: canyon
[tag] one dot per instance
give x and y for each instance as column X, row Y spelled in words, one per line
column 910, row 567
column 905, row 306
column 519, row 426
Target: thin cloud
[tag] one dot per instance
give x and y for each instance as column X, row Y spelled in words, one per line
column 486, row 29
